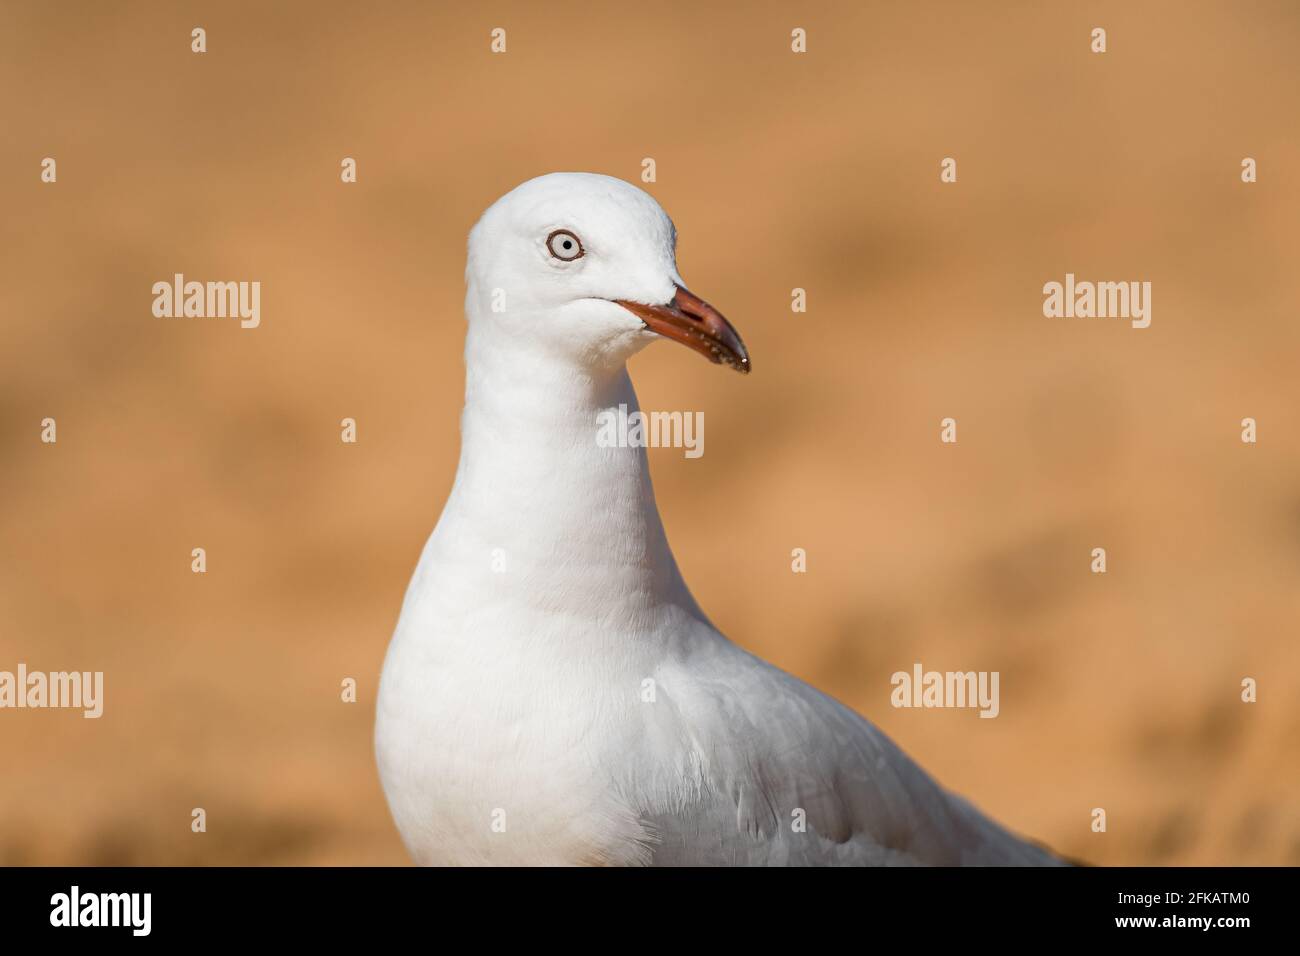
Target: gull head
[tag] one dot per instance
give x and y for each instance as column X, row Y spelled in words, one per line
column 583, row 267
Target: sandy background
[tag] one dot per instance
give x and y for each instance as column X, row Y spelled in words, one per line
column 821, row 171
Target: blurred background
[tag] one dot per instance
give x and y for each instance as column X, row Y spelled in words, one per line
column 820, row 171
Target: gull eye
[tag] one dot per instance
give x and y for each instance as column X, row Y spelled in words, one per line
column 564, row 245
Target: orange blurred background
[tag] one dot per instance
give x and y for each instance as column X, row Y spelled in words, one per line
column 820, row 171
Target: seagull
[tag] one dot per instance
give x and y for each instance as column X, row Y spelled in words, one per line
column 553, row 695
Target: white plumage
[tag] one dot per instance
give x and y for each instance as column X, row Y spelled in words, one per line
column 512, row 724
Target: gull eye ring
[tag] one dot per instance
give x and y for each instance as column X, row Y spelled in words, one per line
column 565, row 246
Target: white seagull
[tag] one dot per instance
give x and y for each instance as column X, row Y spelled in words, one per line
column 552, row 693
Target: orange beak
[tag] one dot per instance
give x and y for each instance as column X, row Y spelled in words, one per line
column 697, row 325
